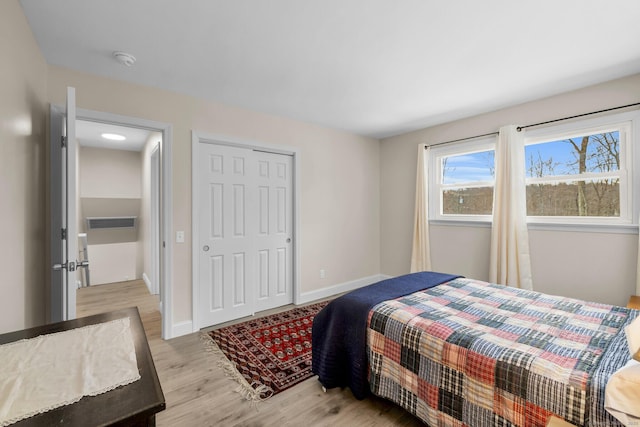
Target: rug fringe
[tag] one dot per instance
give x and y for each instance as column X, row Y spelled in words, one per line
column 255, row 395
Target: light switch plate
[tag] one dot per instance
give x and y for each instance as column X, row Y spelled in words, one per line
column 179, row 236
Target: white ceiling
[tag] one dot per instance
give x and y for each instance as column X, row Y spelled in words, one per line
column 372, row 67
column 89, row 134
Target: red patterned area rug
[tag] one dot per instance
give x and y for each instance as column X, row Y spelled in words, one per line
column 269, row 354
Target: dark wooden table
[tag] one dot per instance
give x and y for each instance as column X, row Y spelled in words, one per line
column 134, row 404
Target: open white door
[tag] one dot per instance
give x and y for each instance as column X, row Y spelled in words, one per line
column 64, row 225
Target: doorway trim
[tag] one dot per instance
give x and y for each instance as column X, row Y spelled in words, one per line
column 166, row 211
column 198, row 138
column 155, row 221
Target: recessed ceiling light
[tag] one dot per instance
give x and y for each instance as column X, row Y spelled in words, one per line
column 113, row 136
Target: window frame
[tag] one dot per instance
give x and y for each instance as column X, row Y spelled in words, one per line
column 628, row 126
column 436, row 186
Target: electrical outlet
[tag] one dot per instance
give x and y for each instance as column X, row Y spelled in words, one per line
column 322, row 274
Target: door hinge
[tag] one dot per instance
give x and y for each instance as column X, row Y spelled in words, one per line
column 63, row 141
column 63, row 234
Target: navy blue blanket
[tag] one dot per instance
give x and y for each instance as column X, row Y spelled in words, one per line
column 339, row 335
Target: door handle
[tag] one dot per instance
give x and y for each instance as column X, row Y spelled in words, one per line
column 69, row 266
column 84, row 264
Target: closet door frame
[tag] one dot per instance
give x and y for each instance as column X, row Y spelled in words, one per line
column 198, row 138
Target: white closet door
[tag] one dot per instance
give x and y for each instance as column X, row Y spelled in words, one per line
column 274, row 243
column 226, row 234
column 245, row 211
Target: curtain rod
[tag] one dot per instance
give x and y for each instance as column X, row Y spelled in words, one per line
column 462, row 139
column 519, row 128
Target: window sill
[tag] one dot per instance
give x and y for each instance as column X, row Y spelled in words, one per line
column 542, row 226
column 585, row 228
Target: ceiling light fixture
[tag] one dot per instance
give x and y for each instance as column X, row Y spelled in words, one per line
column 113, row 136
column 124, row 58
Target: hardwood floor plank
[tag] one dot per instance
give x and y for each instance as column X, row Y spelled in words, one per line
column 199, row 394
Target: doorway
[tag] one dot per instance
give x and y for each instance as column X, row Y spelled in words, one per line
column 155, row 218
column 116, row 193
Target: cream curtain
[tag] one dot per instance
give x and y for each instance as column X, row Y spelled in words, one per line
column 509, row 258
column 421, row 254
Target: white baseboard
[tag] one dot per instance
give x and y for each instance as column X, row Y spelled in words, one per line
column 186, row 327
column 340, row 288
column 182, row 328
column 147, row 282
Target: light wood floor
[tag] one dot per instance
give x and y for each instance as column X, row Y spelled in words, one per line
column 199, row 394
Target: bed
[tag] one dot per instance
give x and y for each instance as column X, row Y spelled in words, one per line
column 462, row 352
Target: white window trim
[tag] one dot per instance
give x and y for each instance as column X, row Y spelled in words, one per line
column 631, row 145
column 629, row 125
column 435, row 171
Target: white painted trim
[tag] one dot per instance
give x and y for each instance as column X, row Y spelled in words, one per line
column 147, row 282
column 182, row 328
column 154, row 217
column 196, row 139
column 548, row 226
column 166, row 270
column 195, row 276
column 297, row 240
column 340, row 288
column 167, row 200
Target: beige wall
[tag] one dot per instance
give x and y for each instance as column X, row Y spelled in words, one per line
column 110, row 184
column 340, row 181
column 106, row 173
column 23, row 166
column 565, row 263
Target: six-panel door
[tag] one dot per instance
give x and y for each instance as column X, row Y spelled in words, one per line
column 245, row 242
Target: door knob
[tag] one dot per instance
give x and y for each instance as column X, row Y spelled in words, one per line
column 205, row 248
column 288, row 239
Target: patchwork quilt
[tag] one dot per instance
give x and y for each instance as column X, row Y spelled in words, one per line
column 469, row 353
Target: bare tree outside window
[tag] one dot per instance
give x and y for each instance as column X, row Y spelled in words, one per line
column 575, row 177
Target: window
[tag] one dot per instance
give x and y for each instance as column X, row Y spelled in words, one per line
column 463, row 175
column 575, row 176
column 575, row 173
column 580, row 172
